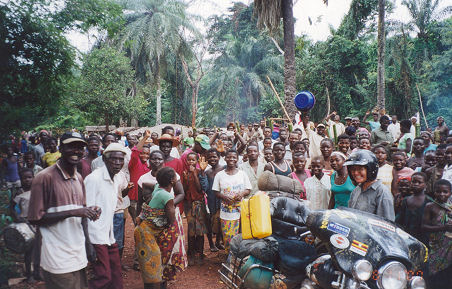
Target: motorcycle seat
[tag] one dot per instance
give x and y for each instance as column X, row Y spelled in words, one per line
column 288, row 217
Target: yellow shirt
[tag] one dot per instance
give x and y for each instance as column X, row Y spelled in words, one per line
column 51, row 158
column 385, row 175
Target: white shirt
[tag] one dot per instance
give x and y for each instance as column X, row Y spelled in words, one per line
column 252, row 175
column 230, row 185
column 314, row 143
column 340, row 128
column 123, row 182
column 318, row 192
column 447, row 173
column 394, row 129
column 261, row 144
column 102, row 191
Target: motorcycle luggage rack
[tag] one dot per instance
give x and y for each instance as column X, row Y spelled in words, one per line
column 235, row 281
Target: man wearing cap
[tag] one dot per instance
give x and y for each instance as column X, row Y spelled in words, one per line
column 394, row 127
column 348, row 121
column 315, row 138
column 335, row 120
column 202, row 144
column 58, row 207
column 102, row 187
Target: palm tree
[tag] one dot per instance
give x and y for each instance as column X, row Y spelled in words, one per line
column 381, row 55
column 151, row 34
column 423, row 13
column 269, row 14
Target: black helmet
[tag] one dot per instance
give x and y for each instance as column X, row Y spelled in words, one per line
column 363, row 158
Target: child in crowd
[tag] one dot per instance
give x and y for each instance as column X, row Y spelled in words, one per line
column 19, row 212
column 412, row 208
column 435, row 173
column 84, row 167
column 438, row 224
column 318, row 186
column 268, row 155
column 364, row 143
column 29, row 161
column 301, row 173
column 417, row 157
column 279, row 166
column 195, row 210
column 213, row 203
column 53, row 155
column 326, row 148
column 353, row 143
column 400, row 170
column 404, row 186
column 384, row 169
column 343, row 143
column 299, row 147
column 429, row 160
column 231, row 186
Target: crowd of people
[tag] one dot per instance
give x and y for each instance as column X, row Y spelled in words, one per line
column 78, row 189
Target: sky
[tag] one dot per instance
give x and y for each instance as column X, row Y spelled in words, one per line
column 315, row 9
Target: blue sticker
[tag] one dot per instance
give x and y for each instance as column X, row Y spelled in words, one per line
column 338, row 228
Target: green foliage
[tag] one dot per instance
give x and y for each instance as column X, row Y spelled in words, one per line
column 105, row 85
column 236, row 87
column 37, row 61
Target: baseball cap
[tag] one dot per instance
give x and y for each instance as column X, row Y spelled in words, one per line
column 348, row 118
column 203, row 141
column 115, row 147
column 320, row 125
column 70, row 137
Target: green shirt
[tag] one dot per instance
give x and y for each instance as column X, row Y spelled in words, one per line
column 159, row 198
column 378, row 136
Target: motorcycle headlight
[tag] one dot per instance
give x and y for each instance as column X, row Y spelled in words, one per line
column 392, row 275
column 417, row 282
column 362, row 270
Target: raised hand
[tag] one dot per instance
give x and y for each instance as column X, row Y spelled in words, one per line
column 220, row 146
column 203, row 163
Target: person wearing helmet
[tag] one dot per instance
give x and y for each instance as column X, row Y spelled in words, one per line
column 370, row 194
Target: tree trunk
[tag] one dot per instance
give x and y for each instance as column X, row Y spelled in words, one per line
column 107, row 122
column 381, row 56
column 158, row 96
column 194, row 105
column 289, row 57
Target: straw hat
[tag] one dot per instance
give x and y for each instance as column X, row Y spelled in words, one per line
column 167, row 137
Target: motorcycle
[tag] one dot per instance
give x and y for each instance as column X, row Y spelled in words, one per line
column 339, row 248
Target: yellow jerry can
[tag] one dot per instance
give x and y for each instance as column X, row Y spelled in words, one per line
column 255, row 216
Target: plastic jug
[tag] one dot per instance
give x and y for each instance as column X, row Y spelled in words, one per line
column 255, row 217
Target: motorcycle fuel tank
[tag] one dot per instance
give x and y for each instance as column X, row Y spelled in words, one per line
column 352, row 235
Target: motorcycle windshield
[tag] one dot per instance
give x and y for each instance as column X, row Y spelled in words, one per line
column 352, row 235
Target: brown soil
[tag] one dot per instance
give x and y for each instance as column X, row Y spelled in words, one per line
column 197, row 277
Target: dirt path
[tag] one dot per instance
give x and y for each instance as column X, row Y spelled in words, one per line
column 194, row 277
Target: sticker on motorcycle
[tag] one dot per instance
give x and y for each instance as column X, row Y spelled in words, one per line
column 339, row 241
column 402, row 233
column 338, row 229
column 381, row 224
column 359, row 248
